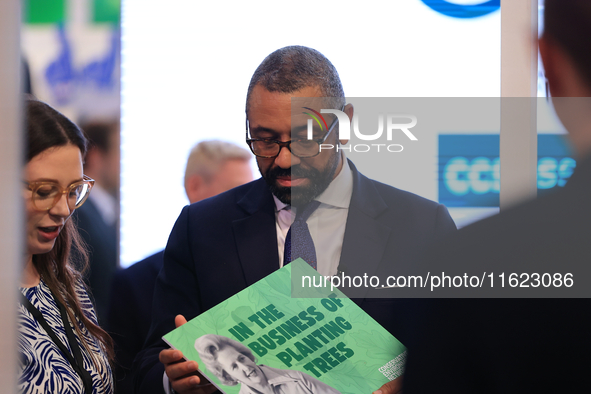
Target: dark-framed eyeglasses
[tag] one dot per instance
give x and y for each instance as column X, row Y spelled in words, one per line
column 45, row 195
column 302, row 148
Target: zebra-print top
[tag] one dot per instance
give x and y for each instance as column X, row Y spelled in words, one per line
column 43, row 368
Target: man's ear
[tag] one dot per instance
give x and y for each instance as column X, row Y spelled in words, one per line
column 563, row 74
column 349, row 111
column 554, row 59
column 546, row 48
column 193, row 187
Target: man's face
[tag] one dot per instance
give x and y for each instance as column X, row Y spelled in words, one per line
column 292, row 180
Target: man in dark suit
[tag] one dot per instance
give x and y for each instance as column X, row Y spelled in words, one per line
column 524, row 345
column 224, row 244
column 102, row 240
column 212, row 167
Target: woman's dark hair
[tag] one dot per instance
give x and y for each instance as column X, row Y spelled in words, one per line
column 46, row 128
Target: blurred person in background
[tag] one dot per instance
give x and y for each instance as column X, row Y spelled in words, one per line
column 212, row 168
column 98, row 219
column 522, row 345
column 62, row 349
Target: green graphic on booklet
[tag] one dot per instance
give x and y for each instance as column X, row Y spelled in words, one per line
column 262, row 338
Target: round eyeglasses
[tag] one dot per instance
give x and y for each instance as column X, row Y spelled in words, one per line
column 302, row 148
column 45, row 195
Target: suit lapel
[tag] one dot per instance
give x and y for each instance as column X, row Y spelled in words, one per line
column 255, row 234
column 363, row 245
column 365, row 237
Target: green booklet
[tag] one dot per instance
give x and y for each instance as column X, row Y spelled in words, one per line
column 263, row 340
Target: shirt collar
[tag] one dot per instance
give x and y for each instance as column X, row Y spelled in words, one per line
column 338, row 193
column 279, row 205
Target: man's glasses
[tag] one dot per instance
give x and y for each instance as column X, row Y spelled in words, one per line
column 45, row 195
column 302, row 148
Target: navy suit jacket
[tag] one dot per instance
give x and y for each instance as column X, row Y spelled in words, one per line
column 224, row 244
column 102, row 242
column 130, row 315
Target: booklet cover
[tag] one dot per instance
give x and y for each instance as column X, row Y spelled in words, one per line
column 262, row 338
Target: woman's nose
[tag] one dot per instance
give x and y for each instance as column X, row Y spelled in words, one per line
column 62, row 208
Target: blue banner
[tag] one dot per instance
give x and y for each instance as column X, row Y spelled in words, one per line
column 469, row 168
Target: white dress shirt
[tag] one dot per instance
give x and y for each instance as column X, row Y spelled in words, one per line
column 327, row 226
column 327, row 223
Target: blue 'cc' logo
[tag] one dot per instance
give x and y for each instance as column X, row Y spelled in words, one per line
column 463, row 11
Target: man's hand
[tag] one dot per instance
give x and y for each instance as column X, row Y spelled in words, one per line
column 392, row 387
column 183, row 375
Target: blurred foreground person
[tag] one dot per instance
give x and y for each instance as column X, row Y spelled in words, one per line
column 212, row 168
column 62, row 349
column 524, row 345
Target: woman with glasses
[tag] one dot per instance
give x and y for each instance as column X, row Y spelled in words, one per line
column 62, row 348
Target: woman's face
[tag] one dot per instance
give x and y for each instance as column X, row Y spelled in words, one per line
column 62, row 165
column 240, row 367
